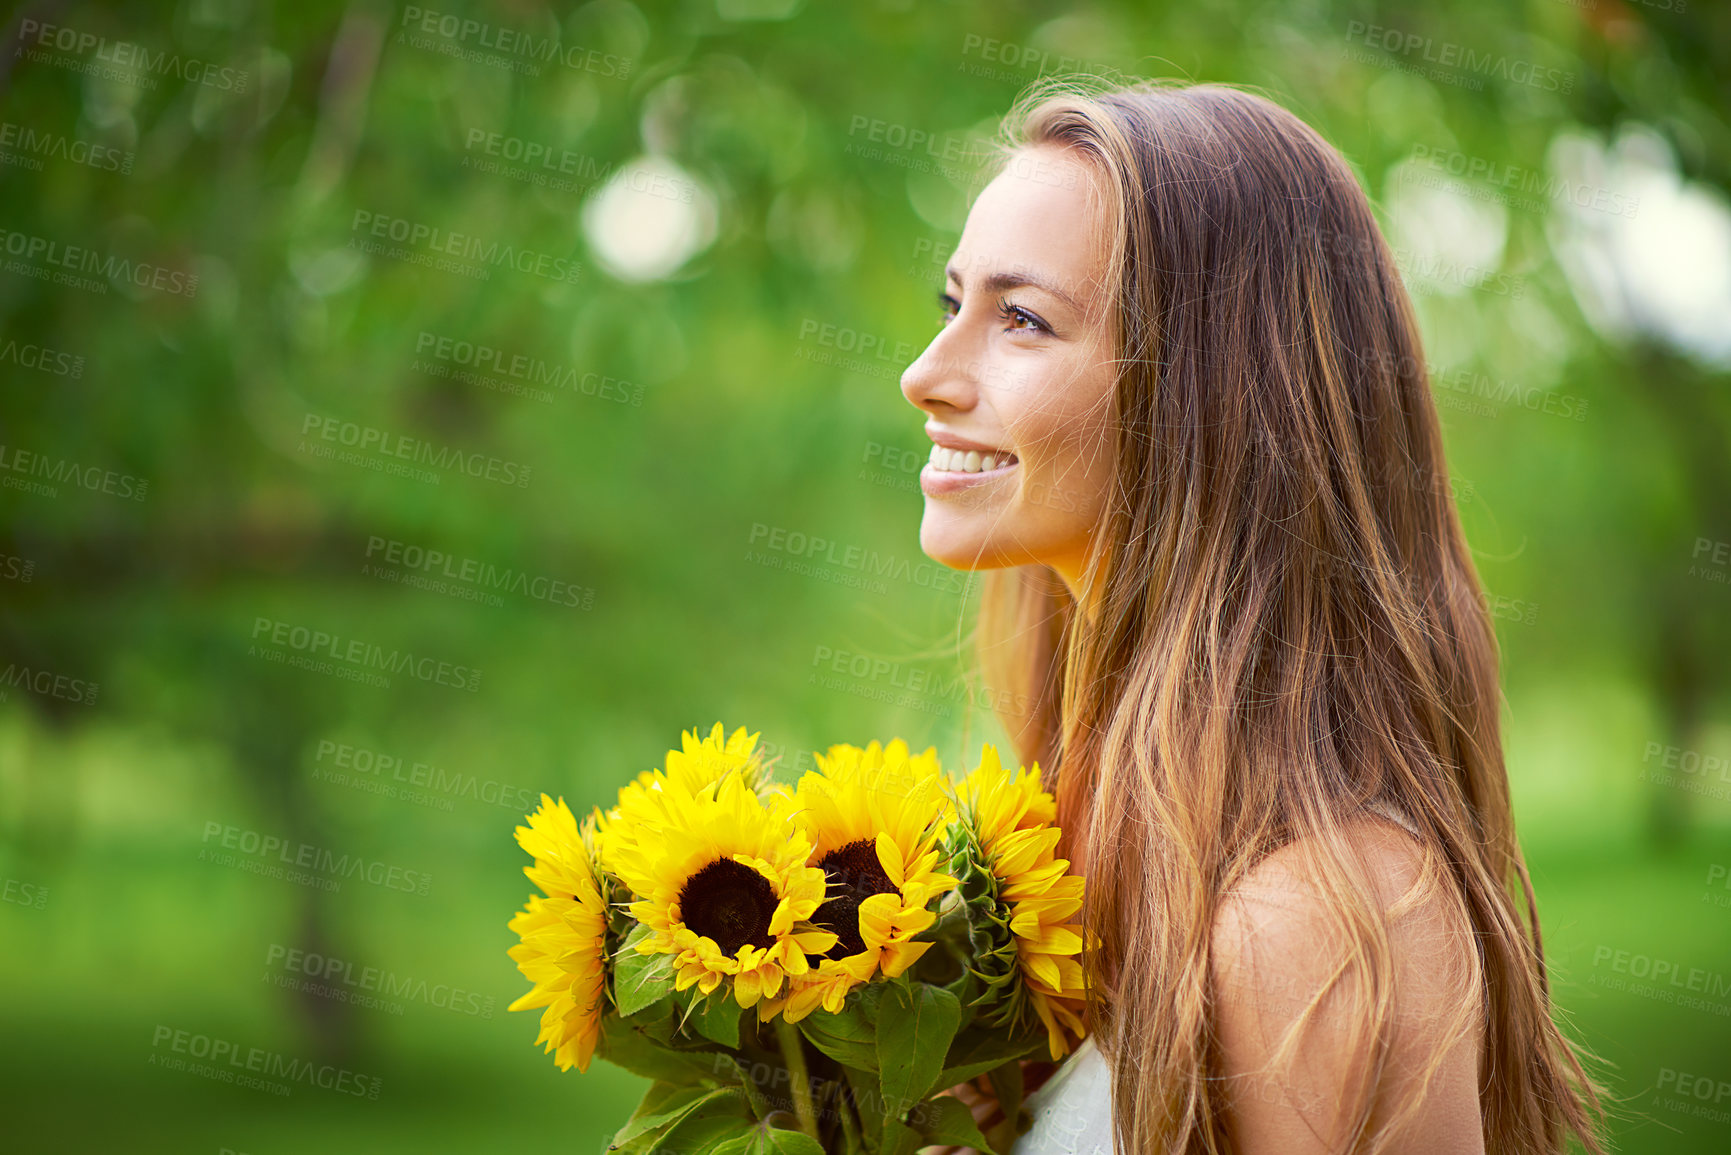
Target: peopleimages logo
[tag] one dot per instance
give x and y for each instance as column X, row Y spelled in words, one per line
column 43, row 359
column 489, row 359
column 363, row 654
column 505, row 44
column 356, row 764
column 368, row 439
column 437, row 242
column 1460, row 58
column 812, row 549
column 60, row 470
column 306, row 856
column 484, row 576
column 1671, row 974
column 35, row 39
column 1504, row 176
column 229, row 1063
column 48, row 255
column 48, row 684
column 26, row 146
column 22, row 893
column 347, row 981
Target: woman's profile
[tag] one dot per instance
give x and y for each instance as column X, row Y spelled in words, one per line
column 1179, row 410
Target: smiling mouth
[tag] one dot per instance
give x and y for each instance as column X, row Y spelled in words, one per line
column 970, row 461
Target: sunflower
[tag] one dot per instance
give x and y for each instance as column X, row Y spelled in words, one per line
column 1010, row 823
column 875, row 816
column 563, row 943
column 723, row 886
column 700, row 763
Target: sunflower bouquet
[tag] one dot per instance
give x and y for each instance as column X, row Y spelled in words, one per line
column 805, row 969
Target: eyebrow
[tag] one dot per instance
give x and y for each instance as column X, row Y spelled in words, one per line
column 1015, row 279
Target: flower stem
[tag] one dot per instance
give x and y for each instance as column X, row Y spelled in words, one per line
column 793, row 1052
column 849, row 1125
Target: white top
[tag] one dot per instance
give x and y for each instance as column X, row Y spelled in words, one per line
column 1072, row 1110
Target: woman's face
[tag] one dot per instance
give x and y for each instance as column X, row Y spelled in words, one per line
column 1017, row 386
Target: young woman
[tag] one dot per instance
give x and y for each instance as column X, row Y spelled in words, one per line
column 1179, row 410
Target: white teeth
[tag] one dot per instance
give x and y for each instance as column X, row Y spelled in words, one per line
column 956, row 461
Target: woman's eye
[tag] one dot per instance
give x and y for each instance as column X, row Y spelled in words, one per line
column 1016, row 318
column 1019, row 318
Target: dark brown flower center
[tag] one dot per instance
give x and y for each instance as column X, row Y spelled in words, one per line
column 731, row 903
column 854, row 874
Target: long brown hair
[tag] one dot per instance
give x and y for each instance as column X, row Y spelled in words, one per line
column 1283, row 620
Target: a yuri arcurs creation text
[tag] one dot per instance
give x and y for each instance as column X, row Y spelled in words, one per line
column 804, row 969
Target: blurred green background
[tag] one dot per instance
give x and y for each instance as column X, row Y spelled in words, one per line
column 409, row 410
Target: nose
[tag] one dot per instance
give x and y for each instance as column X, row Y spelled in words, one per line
column 941, row 379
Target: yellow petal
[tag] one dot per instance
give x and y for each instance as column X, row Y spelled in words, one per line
column 815, row 941
column 1044, row 969
column 860, row 967
column 900, row 957
column 1057, row 940
column 890, row 858
column 803, row 1002
column 915, row 921
column 782, row 921
column 876, row 916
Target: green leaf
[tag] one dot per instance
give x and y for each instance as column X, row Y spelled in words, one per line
column 978, row 1050
column 668, row 1023
column 666, row 1110
column 849, row 1038
column 949, row 1121
column 776, row 1141
column 864, row 1085
column 898, row 1139
column 718, row 1118
column 1007, row 1086
column 717, row 1018
column 662, row 1104
column 640, row 980
column 915, row 1028
column 627, row 1044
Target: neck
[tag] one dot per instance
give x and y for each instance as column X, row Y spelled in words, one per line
column 1083, row 591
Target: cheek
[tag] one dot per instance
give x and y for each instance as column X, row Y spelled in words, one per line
column 1068, row 465
column 1084, row 457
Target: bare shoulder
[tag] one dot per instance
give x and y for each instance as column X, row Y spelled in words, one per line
column 1295, row 1002
column 1282, row 903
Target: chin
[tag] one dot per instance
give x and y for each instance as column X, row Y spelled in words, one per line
column 952, row 541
